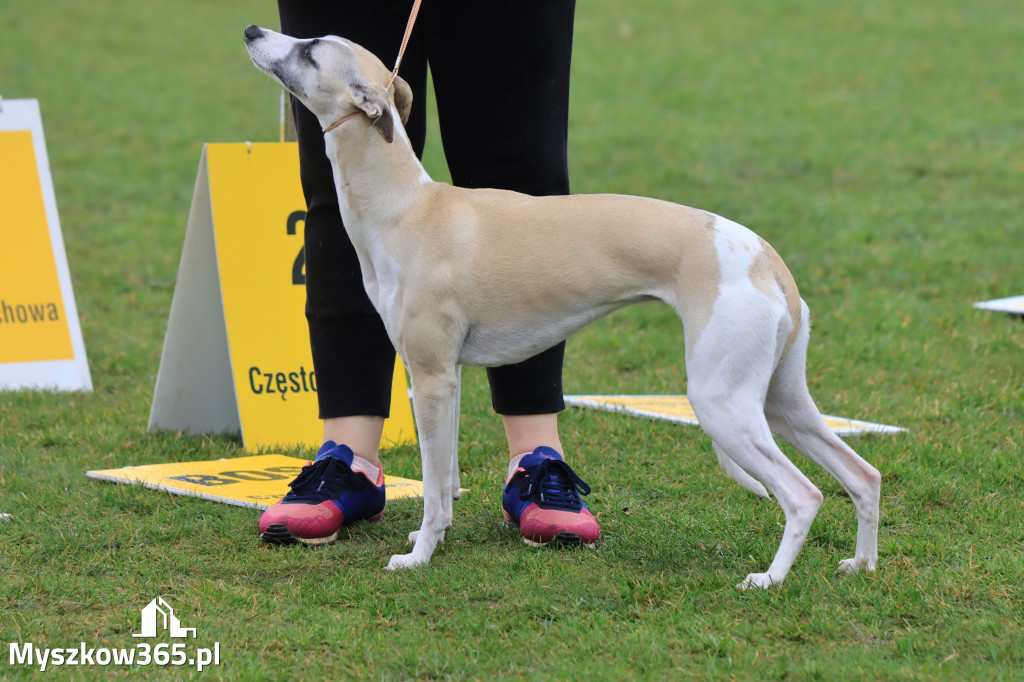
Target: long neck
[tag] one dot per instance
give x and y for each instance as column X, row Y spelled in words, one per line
column 375, row 179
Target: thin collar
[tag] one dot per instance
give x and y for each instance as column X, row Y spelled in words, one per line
column 341, row 120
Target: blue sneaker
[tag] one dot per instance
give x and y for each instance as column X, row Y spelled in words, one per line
column 325, row 495
column 543, row 498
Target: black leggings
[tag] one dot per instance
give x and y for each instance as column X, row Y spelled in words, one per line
column 501, row 78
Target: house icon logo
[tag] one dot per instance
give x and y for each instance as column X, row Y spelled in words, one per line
column 158, row 615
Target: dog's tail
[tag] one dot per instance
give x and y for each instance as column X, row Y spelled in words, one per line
column 733, row 471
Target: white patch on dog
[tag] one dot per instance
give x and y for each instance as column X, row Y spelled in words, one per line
column 400, row 133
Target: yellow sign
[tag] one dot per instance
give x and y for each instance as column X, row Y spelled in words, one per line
column 40, row 340
column 32, row 319
column 677, row 408
column 258, row 481
column 236, row 355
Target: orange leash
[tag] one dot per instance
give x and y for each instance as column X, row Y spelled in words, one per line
column 405, row 41
column 398, row 62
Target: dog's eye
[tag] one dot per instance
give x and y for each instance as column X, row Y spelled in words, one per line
column 307, row 49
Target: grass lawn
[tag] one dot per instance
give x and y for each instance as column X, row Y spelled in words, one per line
column 878, row 145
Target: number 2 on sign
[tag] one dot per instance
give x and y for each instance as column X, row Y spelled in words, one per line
column 298, row 268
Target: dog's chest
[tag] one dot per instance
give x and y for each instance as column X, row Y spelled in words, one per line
column 381, row 275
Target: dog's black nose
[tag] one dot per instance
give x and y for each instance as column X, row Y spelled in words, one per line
column 252, row 32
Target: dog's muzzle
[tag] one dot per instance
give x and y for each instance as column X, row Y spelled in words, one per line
column 253, row 32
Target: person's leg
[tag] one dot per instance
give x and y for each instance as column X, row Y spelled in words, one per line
column 501, row 74
column 527, row 432
column 352, row 355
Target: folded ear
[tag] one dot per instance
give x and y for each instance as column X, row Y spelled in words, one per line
column 374, row 104
column 403, row 99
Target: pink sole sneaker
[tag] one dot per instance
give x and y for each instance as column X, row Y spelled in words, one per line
column 543, row 499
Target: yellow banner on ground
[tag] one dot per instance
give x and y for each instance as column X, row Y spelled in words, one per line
column 258, row 481
column 677, row 408
column 237, row 356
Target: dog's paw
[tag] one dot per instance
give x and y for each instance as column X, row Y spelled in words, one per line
column 855, row 565
column 405, row 561
column 415, row 534
column 758, row 581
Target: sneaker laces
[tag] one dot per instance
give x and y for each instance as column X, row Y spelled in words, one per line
column 323, row 480
column 553, row 482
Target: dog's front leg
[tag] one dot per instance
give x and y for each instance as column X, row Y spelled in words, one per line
column 435, row 402
column 456, row 479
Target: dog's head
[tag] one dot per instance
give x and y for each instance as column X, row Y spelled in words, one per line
column 331, row 76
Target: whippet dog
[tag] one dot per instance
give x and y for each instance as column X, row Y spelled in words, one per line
column 487, row 277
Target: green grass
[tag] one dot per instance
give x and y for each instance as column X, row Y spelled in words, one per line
column 877, row 145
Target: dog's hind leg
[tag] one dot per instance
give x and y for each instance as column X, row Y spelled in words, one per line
column 739, row 430
column 793, row 415
column 728, row 374
column 435, row 403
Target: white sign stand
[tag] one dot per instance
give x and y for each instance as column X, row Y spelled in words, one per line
column 1013, row 305
column 194, row 387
